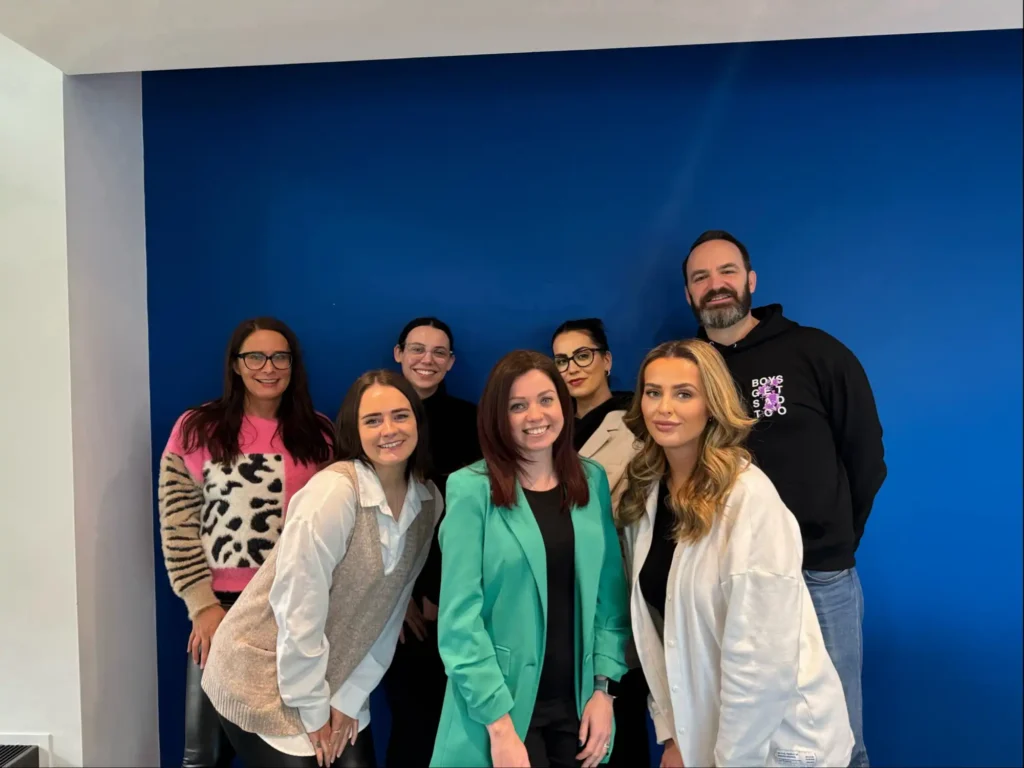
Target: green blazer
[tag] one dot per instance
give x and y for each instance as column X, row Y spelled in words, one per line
column 492, row 616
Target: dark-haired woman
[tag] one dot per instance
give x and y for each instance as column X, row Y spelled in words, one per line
column 416, row 680
column 533, row 615
column 310, row 638
column 226, row 476
column 583, row 357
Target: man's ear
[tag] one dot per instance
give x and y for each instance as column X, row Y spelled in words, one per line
column 752, row 281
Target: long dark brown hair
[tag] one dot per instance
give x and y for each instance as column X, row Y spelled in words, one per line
column 215, row 425
column 495, row 432
column 348, row 446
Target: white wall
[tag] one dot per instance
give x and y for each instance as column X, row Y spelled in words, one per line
column 78, row 645
column 110, row 418
column 39, row 663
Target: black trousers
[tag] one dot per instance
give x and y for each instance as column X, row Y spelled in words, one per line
column 553, row 738
column 415, row 684
column 206, row 744
column 256, row 753
column 632, row 742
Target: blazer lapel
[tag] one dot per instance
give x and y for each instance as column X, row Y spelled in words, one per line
column 523, row 525
column 586, row 536
column 597, row 440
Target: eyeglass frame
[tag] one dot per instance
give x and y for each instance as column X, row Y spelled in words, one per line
column 448, row 354
column 595, row 350
column 243, row 355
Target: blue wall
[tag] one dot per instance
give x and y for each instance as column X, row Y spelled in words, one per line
column 877, row 183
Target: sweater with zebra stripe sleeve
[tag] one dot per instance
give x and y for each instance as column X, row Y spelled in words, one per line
column 218, row 522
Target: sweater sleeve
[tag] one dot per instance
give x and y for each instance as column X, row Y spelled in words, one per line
column 465, row 647
column 180, row 505
column 853, row 418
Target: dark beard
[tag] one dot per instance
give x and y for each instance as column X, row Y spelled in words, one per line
column 723, row 316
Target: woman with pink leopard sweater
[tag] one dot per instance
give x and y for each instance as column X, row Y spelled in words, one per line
column 226, row 476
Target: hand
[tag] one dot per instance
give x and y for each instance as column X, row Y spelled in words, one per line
column 344, row 731
column 429, row 610
column 596, row 729
column 203, row 628
column 507, row 749
column 414, row 620
column 330, row 740
column 671, row 758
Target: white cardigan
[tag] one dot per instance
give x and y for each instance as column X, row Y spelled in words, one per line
column 743, row 677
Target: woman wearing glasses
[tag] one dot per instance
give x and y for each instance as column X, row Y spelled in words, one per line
column 416, row 680
column 226, row 476
column 583, row 359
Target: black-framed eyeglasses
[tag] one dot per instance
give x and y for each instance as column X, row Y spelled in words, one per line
column 254, row 361
column 583, row 357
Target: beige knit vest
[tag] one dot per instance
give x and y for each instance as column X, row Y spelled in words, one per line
column 241, row 672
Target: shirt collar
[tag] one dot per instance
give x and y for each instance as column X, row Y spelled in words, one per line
column 371, row 492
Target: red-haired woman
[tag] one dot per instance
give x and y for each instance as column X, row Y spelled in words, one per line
column 533, row 618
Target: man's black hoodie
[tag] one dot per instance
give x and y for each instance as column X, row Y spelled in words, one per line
column 818, row 437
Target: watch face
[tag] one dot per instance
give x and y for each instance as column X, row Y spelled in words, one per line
column 612, row 687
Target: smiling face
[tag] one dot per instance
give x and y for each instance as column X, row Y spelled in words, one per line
column 719, row 287
column 264, row 364
column 674, row 407
column 426, row 357
column 586, row 370
column 387, row 426
column 534, row 413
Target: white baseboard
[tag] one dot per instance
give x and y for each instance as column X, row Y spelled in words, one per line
column 42, row 740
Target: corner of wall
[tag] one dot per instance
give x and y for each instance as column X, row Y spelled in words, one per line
column 111, row 418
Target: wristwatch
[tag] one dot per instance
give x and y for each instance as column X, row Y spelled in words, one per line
column 607, row 685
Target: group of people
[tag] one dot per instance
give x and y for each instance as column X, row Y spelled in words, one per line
column 531, row 578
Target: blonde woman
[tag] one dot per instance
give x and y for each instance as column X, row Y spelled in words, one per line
column 724, row 625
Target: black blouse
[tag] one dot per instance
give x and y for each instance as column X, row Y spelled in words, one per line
column 557, row 676
column 654, row 573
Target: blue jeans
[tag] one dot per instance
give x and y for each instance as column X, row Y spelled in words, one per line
column 839, row 602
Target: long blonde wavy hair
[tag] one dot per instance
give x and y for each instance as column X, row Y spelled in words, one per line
column 722, row 452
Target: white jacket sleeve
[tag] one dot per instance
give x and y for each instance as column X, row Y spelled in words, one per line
column 662, row 727
column 763, row 586
column 759, row 664
column 312, row 543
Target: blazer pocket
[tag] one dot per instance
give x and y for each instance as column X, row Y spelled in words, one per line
column 504, row 657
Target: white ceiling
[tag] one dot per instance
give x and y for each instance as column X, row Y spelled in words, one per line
column 94, row 36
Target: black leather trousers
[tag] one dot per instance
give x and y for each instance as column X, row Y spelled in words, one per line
column 256, row 753
column 206, row 744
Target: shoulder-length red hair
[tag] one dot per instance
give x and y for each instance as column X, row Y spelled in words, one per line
column 495, row 432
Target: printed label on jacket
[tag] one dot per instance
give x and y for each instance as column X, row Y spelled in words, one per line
column 795, row 757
